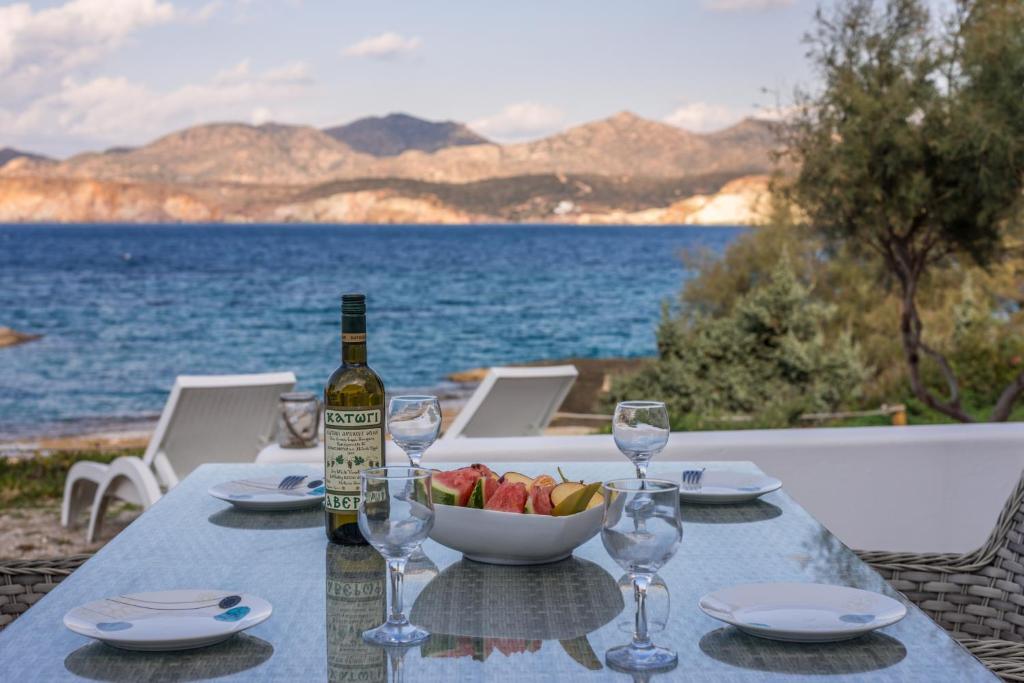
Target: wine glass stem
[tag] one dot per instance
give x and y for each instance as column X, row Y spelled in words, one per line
column 641, row 469
column 396, row 569
column 415, row 457
column 640, row 636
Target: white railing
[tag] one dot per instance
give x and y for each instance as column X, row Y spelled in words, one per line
column 928, row 488
column 919, row 489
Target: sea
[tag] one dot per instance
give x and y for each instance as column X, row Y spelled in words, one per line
column 124, row 309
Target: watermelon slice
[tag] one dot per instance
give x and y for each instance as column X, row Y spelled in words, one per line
column 510, row 497
column 484, row 470
column 483, row 489
column 452, row 488
column 540, row 501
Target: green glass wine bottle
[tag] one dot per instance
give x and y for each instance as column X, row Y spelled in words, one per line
column 353, row 425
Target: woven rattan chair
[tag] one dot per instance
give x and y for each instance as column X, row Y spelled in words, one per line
column 23, row 582
column 978, row 596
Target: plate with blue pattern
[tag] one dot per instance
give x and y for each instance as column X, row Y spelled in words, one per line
column 168, row 620
column 802, row 612
column 291, row 491
column 725, row 486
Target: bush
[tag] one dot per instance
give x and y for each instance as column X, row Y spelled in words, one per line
column 766, row 357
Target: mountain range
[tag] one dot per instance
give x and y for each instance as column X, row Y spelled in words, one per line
column 396, row 168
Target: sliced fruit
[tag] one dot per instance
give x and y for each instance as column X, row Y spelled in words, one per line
column 514, row 477
column 581, row 650
column 452, row 488
column 540, row 501
column 483, row 489
column 484, row 470
column 596, row 501
column 576, row 501
column 544, row 480
column 563, row 491
column 510, row 497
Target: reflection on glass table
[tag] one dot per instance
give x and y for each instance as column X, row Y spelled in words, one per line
column 356, row 602
column 512, row 610
column 100, row 662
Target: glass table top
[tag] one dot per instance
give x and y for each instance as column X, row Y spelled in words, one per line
column 542, row 623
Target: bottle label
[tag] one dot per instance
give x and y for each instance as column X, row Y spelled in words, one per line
column 353, row 441
column 353, row 337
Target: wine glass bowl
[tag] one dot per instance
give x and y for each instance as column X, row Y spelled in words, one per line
column 640, row 430
column 414, row 423
column 396, row 514
column 641, row 531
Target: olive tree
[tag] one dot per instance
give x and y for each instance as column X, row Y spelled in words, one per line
column 911, row 150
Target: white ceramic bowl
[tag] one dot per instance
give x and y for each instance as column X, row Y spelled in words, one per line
column 513, row 538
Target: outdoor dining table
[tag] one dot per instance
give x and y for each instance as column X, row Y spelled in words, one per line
column 540, row 623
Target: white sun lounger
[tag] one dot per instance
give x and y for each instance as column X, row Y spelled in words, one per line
column 514, row 402
column 215, row 418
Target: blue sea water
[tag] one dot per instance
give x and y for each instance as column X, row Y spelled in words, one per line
column 123, row 309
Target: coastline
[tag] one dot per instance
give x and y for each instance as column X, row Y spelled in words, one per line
column 132, row 433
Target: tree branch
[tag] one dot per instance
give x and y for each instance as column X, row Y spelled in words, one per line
column 910, row 331
column 1010, row 394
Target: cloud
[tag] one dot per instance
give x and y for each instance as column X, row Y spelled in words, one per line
column 702, row 117
column 744, row 5
column 116, row 110
column 385, row 46
column 520, row 121
column 37, row 48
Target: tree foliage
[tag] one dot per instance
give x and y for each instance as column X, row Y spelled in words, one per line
column 912, row 155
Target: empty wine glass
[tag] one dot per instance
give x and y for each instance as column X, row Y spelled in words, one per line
column 641, row 431
column 395, row 515
column 641, row 549
column 414, row 423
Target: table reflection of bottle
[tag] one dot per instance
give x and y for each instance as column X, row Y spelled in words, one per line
column 356, row 602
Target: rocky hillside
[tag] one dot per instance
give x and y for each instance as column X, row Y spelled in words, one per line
column 8, row 153
column 623, row 169
column 393, row 134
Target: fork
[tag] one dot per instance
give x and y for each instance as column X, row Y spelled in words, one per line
column 692, row 479
column 287, row 484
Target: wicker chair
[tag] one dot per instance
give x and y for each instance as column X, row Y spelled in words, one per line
column 978, row 596
column 23, row 582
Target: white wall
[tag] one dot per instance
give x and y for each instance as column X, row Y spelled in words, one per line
column 928, row 488
column 916, row 489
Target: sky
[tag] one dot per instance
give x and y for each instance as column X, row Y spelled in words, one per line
column 79, row 75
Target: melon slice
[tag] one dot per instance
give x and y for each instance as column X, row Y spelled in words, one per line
column 540, row 501
column 452, row 488
column 484, row 470
column 483, row 489
column 510, row 497
column 513, row 477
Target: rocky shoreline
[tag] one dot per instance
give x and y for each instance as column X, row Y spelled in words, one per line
column 12, row 337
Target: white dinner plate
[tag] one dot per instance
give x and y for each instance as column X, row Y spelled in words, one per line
column 513, row 538
column 802, row 612
column 263, row 493
column 723, row 486
column 168, row 620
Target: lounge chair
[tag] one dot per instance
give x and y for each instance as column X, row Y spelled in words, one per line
column 514, row 402
column 215, row 418
column 976, row 596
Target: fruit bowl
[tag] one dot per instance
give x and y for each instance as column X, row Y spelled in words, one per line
column 513, row 538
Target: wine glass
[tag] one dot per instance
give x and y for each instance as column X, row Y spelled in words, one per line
column 641, row 549
column 414, row 423
column 395, row 516
column 641, row 431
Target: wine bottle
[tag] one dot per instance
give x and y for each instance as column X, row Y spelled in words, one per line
column 356, row 602
column 353, row 425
